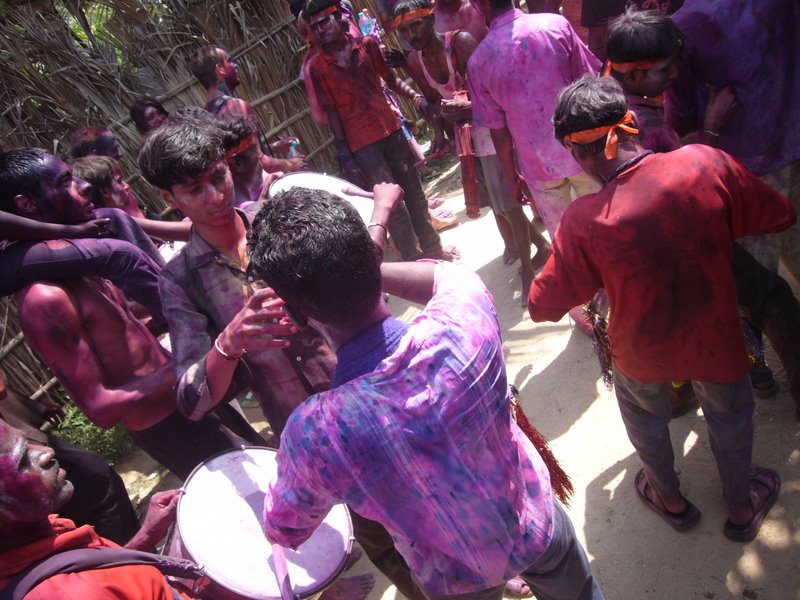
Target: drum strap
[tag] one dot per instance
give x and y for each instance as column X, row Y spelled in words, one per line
column 85, row 559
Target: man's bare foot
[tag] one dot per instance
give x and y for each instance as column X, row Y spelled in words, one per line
column 526, row 288
column 350, row 588
column 517, row 588
column 510, row 256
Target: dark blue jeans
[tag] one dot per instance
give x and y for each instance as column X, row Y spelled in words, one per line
column 390, row 160
column 728, row 410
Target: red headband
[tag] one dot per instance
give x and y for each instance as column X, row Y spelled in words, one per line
column 419, row 13
column 326, row 11
column 240, row 147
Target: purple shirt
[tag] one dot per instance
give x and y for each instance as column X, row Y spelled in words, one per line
column 515, row 75
column 425, row 445
column 753, row 46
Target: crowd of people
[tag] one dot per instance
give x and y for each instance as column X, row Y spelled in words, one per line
column 663, row 165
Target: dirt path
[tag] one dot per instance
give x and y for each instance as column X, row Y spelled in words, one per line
column 634, row 555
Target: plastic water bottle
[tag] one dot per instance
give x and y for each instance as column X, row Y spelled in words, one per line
column 365, row 23
column 293, row 150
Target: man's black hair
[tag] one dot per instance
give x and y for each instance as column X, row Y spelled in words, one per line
column 501, row 4
column 313, row 249
column 589, row 102
column 137, row 112
column 312, row 7
column 20, row 173
column 179, row 152
column 642, row 35
column 235, row 129
column 82, row 143
column 203, row 65
column 405, row 6
column 296, row 7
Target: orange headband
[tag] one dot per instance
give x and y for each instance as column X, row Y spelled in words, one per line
column 639, row 65
column 327, row 11
column 612, row 142
column 419, row 13
column 241, row 147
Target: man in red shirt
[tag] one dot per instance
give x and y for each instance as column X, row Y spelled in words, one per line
column 658, row 238
column 348, row 75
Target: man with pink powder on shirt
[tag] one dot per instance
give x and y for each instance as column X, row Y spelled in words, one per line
column 514, row 77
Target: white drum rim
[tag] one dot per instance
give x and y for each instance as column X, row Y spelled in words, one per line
column 322, row 585
column 298, row 174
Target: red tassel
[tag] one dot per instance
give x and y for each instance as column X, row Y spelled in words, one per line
column 559, row 480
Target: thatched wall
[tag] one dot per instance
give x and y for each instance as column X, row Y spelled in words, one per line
column 59, row 74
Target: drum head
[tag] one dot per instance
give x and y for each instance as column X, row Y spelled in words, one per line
column 219, row 519
column 328, row 183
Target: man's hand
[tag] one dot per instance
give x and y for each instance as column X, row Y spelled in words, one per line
column 96, row 228
column 282, row 146
column 298, row 163
column 721, row 106
column 422, row 106
column 520, row 191
column 395, row 57
column 347, row 161
column 387, row 195
column 160, row 515
column 268, row 180
column 254, row 327
column 456, row 110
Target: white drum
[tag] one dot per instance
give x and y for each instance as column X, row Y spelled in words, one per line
column 360, row 199
column 219, row 524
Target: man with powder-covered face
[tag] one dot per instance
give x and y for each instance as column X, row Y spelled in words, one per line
column 32, row 489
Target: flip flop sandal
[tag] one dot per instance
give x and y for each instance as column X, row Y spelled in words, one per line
column 441, row 219
column 435, row 202
column 747, row 532
column 682, row 521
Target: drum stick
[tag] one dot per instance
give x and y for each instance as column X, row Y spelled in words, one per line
column 282, row 573
column 351, row 191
